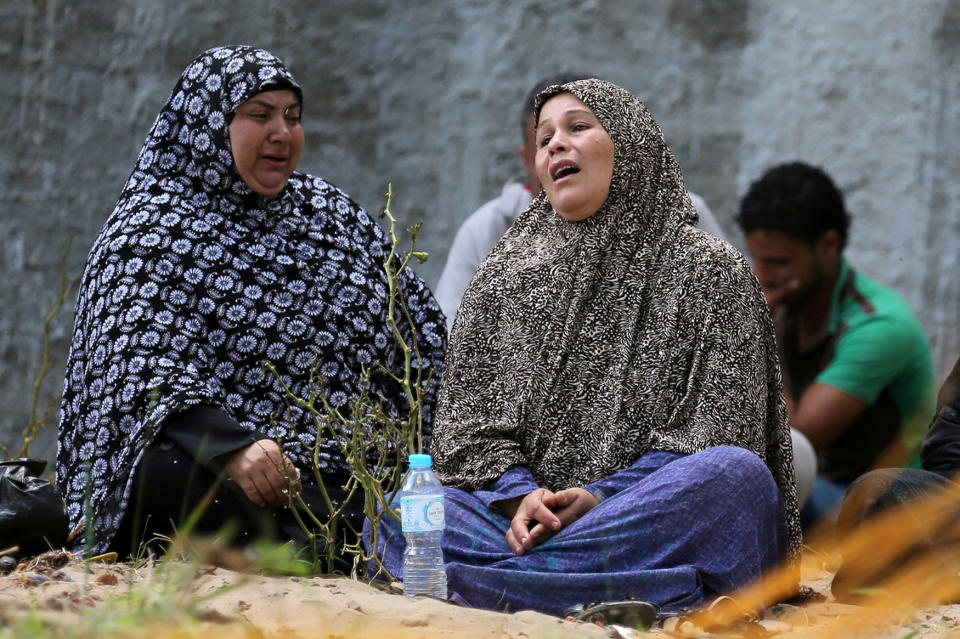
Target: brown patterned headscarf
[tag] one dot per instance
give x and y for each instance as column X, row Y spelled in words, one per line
column 579, row 346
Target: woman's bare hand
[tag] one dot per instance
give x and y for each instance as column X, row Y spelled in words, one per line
column 542, row 514
column 534, row 516
column 572, row 504
column 264, row 473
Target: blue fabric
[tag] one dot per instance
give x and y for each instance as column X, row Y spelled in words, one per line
column 824, row 499
column 673, row 529
column 516, row 482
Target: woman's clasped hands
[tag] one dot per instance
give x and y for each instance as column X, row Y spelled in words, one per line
column 543, row 513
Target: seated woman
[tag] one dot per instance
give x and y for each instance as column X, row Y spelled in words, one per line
column 219, row 257
column 611, row 422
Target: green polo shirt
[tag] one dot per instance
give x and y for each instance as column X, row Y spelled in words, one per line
column 874, row 348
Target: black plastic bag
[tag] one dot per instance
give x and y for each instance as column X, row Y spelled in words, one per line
column 32, row 513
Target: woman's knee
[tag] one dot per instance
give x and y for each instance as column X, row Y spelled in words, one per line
column 738, row 478
column 736, row 464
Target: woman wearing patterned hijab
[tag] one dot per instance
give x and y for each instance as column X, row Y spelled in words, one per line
column 219, row 257
column 611, row 422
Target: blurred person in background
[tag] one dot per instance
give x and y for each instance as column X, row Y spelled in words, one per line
column 857, row 371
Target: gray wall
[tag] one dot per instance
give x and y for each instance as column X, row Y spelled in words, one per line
column 425, row 94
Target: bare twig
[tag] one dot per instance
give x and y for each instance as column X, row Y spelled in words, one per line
column 37, row 421
column 374, row 443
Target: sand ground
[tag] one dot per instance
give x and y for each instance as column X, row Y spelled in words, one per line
column 59, row 594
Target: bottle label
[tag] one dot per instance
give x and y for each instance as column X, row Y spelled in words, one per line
column 421, row 513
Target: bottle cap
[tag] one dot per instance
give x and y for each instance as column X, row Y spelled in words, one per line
column 420, row 461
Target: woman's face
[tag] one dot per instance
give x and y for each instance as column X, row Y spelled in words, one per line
column 267, row 138
column 574, row 157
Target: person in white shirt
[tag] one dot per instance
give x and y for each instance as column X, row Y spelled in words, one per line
column 479, row 233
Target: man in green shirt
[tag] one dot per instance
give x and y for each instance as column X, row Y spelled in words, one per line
column 857, row 372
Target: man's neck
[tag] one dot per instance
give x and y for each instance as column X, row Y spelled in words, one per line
column 813, row 312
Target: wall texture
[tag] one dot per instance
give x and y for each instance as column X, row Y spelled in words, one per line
column 426, row 95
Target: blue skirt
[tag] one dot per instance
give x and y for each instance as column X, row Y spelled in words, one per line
column 680, row 530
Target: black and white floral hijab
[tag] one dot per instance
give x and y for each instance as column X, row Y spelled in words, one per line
column 195, row 281
column 579, row 346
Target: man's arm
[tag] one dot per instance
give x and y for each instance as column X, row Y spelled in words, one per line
column 823, row 412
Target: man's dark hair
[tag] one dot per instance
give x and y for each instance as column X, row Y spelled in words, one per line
column 797, row 199
column 543, row 83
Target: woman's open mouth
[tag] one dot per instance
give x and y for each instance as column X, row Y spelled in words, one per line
column 563, row 169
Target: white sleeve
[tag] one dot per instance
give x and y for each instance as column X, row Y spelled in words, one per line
column 462, row 263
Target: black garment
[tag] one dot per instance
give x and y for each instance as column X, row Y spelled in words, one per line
column 205, row 433
column 941, row 446
column 184, row 464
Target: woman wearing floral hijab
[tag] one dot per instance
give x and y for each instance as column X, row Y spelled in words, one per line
column 219, row 257
column 611, row 422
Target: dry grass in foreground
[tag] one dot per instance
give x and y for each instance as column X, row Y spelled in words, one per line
column 904, row 565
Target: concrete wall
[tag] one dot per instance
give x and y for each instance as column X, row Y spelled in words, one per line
column 425, row 94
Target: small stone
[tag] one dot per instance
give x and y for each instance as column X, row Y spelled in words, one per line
column 35, row 579
column 7, row 565
column 107, row 578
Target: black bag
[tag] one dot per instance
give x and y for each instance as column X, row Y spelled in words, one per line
column 33, row 515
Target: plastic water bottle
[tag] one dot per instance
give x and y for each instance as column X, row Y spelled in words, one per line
column 421, row 517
